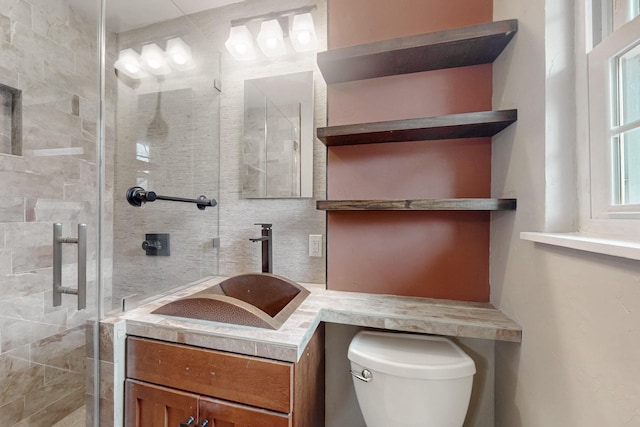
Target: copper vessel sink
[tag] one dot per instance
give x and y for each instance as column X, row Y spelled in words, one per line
column 261, row 300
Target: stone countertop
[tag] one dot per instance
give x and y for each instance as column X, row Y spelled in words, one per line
column 397, row 313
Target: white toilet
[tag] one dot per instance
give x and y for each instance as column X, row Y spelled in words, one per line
column 405, row 380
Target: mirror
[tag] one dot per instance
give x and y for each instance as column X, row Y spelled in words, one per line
column 278, row 137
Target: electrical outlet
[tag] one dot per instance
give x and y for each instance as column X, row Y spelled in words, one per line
column 315, row 245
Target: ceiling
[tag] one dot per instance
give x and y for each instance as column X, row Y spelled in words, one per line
column 125, row 15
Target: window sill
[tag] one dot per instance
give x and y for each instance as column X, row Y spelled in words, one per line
column 606, row 246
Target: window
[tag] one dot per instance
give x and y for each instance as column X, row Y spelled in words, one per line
column 143, row 152
column 614, row 112
column 607, row 77
column 625, row 128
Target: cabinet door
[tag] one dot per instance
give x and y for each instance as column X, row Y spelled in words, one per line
column 148, row 405
column 221, row 413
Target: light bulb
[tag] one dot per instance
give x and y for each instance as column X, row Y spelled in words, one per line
column 131, row 68
column 271, row 39
column 303, row 33
column 304, row 37
column 179, row 59
column 130, row 63
column 271, row 42
column 179, row 54
column 241, row 48
column 155, row 60
column 240, row 43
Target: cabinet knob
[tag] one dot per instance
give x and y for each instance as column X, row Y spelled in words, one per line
column 188, row 422
column 205, row 423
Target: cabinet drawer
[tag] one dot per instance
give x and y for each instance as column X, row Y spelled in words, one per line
column 221, row 413
column 258, row 382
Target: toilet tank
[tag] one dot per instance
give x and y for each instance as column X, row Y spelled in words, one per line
column 410, row 380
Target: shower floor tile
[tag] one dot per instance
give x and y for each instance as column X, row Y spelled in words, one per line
column 75, row 419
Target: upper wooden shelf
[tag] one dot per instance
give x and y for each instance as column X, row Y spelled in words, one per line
column 418, row 205
column 466, row 125
column 459, row 47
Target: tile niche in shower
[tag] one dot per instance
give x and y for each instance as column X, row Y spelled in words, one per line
column 10, row 120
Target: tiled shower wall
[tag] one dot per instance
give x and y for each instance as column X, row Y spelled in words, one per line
column 194, row 164
column 293, row 219
column 167, row 142
column 49, row 52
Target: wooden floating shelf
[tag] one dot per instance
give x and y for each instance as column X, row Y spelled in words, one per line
column 466, row 125
column 418, row 205
column 476, row 44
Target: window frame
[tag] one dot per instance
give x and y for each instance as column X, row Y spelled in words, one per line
column 605, row 217
column 615, row 234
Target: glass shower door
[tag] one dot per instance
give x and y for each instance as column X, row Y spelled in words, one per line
column 48, row 175
column 160, row 119
column 74, row 136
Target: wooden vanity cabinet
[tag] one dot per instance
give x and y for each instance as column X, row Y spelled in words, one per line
column 168, row 383
column 151, row 405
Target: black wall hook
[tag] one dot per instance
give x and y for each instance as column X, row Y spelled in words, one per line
column 138, row 196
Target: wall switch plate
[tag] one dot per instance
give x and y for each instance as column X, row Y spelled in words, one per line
column 315, row 245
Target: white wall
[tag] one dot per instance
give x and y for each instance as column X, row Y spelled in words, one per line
column 580, row 312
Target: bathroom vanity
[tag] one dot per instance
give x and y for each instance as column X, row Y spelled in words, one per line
column 173, row 384
column 180, row 371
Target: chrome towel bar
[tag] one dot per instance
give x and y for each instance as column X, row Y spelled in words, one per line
column 58, row 289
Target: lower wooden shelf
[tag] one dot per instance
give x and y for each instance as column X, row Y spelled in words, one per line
column 454, row 126
column 418, row 205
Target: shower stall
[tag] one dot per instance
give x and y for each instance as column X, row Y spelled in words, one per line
column 78, row 128
column 101, row 98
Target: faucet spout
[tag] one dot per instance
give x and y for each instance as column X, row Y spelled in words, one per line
column 267, row 253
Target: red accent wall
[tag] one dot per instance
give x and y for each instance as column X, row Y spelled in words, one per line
column 430, row 254
column 353, row 22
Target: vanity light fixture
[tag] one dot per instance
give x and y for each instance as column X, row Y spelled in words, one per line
column 179, row 54
column 274, row 28
column 240, row 43
column 303, row 33
column 154, row 60
column 271, row 39
column 129, row 63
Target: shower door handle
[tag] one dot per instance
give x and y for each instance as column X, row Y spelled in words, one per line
column 58, row 289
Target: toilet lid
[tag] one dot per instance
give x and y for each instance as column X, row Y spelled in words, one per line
column 410, row 356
